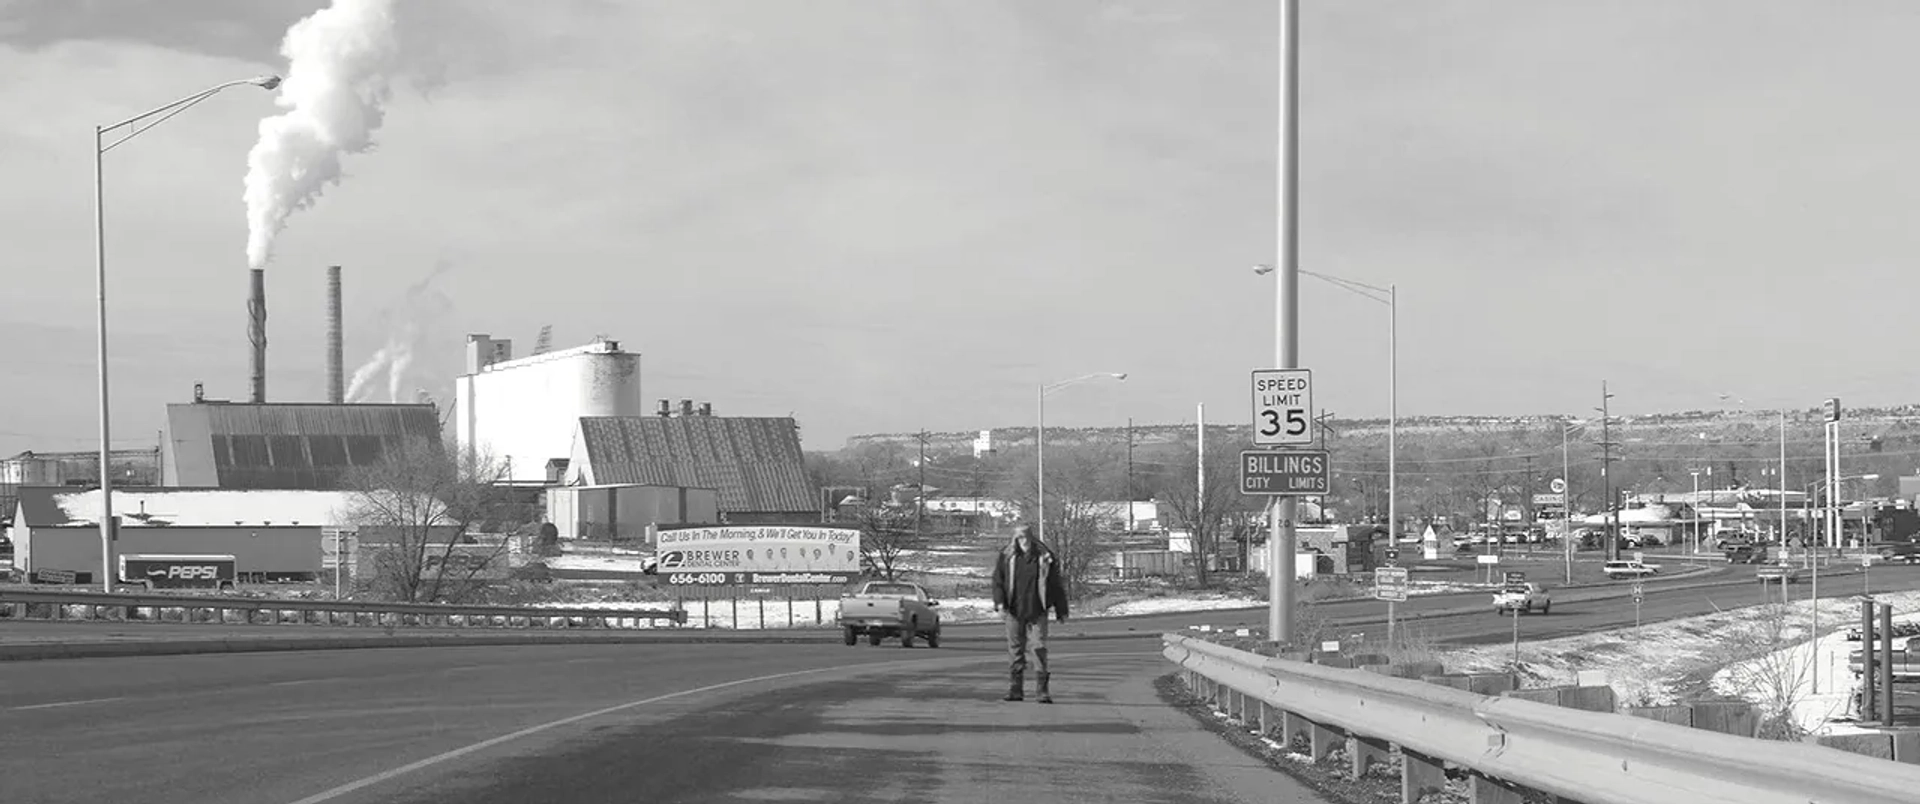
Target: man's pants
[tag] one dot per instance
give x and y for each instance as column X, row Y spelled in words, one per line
column 1020, row 636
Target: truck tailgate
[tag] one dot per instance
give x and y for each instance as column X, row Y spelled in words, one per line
column 865, row 609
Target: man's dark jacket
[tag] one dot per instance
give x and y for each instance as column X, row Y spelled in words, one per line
column 1044, row 588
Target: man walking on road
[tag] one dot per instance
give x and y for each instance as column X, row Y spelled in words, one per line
column 1026, row 586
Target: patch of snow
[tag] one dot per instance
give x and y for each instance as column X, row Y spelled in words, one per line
column 1785, row 678
column 1168, row 605
column 611, row 563
column 1645, row 665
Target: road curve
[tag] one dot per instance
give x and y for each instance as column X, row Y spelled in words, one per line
column 609, row 723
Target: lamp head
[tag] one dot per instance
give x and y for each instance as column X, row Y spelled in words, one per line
column 265, row 81
column 1122, row 376
column 1263, row 269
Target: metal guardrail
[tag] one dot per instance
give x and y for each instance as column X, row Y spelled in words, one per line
column 26, row 603
column 1580, row 756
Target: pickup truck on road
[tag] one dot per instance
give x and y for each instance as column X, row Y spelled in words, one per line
column 884, row 609
column 1522, row 597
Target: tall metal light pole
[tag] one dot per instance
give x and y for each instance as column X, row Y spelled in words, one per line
column 1286, row 313
column 1695, row 508
column 134, row 128
column 1041, row 443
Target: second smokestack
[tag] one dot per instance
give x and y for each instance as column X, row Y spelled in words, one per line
column 257, row 334
column 336, row 384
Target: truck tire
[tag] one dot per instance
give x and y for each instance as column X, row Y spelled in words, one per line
column 906, row 634
column 933, row 640
column 852, row 637
column 1547, row 609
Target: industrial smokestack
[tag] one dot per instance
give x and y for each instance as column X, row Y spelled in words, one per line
column 336, row 386
column 257, row 334
column 666, row 408
column 686, row 407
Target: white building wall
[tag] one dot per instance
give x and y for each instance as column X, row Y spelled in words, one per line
column 525, row 412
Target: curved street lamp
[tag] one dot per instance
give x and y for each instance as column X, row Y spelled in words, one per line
column 1041, row 440
column 134, row 126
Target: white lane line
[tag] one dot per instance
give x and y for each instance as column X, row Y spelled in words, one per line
column 64, row 703
column 295, row 683
column 359, row 784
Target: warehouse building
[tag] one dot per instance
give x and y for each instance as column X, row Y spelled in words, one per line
column 753, row 464
column 628, row 513
column 523, row 412
column 272, row 535
column 285, row 446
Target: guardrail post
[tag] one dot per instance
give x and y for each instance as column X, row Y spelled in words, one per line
column 1483, row 789
column 1293, row 727
column 1419, row 775
column 1363, row 752
column 1677, row 714
column 1738, row 718
column 1323, row 742
column 1267, row 719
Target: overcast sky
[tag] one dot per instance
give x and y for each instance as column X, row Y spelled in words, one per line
column 882, row 216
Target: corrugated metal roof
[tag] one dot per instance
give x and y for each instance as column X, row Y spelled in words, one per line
column 53, row 506
column 296, row 446
column 754, row 463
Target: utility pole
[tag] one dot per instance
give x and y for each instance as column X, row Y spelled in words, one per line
column 1606, row 474
column 1129, row 494
column 920, row 493
column 1528, row 490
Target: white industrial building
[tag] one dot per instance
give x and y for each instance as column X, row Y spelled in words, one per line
column 524, row 413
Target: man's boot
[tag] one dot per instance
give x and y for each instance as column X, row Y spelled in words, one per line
column 1018, row 680
column 1045, row 695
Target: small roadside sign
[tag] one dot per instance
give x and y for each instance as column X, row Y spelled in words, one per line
column 1515, row 576
column 1558, row 486
column 1487, row 558
column 1282, row 407
column 1302, row 472
column 1639, row 592
column 1390, row 583
column 1392, row 555
column 1831, row 408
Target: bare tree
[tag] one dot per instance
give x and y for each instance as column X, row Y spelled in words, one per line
column 1080, row 479
column 885, row 533
column 1207, row 514
column 417, row 511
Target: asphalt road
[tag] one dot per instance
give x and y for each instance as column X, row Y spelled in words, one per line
column 609, row 723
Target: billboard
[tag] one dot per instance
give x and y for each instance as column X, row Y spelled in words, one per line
column 759, row 554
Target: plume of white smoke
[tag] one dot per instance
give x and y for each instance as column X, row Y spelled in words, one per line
column 337, row 81
column 386, row 375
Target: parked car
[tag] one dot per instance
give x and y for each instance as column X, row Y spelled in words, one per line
column 1781, row 572
column 885, row 609
column 1616, row 570
column 1523, row 597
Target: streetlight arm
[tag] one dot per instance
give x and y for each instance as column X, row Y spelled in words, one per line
column 1047, row 389
column 167, row 111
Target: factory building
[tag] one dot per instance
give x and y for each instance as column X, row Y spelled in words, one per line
column 523, row 412
column 285, row 446
column 754, row 464
column 272, row 535
column 133, row 467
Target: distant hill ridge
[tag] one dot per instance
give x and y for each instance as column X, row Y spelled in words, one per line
column 1862, row 422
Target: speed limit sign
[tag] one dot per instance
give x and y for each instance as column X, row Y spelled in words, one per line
column 1282, row 407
